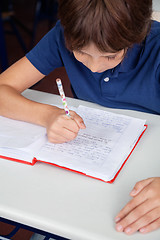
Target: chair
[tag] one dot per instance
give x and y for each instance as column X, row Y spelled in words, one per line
column 19, row 226
column 44, row 10
column 2, row 238
column 3, row 50
column 7, row 15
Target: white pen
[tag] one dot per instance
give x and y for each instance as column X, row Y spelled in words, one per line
column 61, row 92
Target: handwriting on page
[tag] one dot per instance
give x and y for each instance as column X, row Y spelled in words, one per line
column 99, row 150
column 93, row 144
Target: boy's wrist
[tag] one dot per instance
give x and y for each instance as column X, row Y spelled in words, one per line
column 46, row 114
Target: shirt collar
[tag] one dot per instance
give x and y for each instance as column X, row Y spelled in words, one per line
column 129, row 62
column 131, row 58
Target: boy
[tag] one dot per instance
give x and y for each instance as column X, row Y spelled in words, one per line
column 107, row 48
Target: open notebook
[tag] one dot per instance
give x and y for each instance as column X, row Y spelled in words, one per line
column 99, row 151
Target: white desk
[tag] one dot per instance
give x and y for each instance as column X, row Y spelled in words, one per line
column 156, row 5
column 69, row 204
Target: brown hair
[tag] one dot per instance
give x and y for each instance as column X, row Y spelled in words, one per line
column 111, row 25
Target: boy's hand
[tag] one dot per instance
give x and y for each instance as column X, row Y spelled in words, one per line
column 61, row 128
column 143, row 211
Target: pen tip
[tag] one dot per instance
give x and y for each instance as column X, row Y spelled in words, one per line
column 58, row 79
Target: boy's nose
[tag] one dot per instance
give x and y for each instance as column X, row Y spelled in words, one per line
column 94, row 66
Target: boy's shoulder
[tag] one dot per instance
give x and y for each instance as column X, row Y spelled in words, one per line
column 58, row 26
column 56, row 34
column 154, row 33
column 55, row 30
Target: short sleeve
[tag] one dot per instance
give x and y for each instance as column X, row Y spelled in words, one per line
column 45, row 56
column 158, row 75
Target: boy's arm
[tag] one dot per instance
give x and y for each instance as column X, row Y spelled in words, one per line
column 13, row 82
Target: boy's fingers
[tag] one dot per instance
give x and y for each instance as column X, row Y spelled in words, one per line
column 142, row 210
column 140, row 223
column 64, row 136
column 140, row 185
column 78, row 120
column 138, row 199
column 135, row 218
column 132, row 204
column 65, row 122
column 150, row 227
column 71, row 125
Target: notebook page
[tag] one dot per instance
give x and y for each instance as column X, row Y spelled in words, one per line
column 100, row 149
column 18, row 134
column 21, row 140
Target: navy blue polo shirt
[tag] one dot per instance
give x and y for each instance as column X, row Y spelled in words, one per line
column 133, row 84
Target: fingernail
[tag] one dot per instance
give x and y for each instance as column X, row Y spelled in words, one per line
column 119, row 228
column 133, row 191
column 82, row 124
column 128, row 230
column 117, row 219
column 142, row 230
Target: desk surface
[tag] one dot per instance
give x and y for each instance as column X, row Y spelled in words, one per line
column 156, row 5
column 72, row 205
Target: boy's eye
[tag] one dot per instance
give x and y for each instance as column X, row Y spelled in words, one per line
column 79, row 52
column 110, row 58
